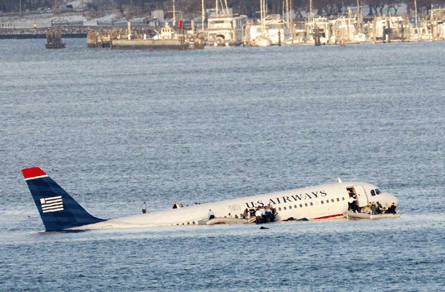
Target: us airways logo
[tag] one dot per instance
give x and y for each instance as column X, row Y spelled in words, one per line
column 289, row 199
column 52, row 204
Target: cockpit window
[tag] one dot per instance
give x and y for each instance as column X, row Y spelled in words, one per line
column 377, row 191
column 372, row 193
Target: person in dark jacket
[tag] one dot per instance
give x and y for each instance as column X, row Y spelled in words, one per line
column 391, row 209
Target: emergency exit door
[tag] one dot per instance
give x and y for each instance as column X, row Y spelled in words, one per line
column 362, row 199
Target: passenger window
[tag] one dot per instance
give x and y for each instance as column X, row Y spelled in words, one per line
column 301, row 205
column 290, row 207
column 295, row 206
column 322, row 202
column 284, row 208
column 279, row 209
column 338, row 200
column 377, row 191
column 372, row 193
column 312, row 204
column 332, row 200
column 343, row 198
column 327, row 201
column 305, row 204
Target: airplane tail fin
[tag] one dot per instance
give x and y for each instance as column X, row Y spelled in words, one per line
column 57, row 209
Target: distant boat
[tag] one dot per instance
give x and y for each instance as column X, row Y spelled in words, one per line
column 263, row 41
column 225, row 28
column 271, row 29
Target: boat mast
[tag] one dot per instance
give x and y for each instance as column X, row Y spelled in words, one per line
column 174, row 14
column 415, row 8
column 359, row 16
column 310, row 11
column 287, row 14
column 227, row 7
column 263, row 14
column 203, row 16
column 291, row 20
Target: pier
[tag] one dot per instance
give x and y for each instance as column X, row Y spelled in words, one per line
column 146, row 38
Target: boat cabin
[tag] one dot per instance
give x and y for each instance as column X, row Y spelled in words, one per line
column 167, row 32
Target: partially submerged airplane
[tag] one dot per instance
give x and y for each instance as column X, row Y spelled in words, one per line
column 60, row 212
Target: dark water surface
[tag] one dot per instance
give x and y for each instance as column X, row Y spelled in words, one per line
column 115, row 128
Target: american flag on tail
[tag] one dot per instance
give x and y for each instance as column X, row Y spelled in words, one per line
column 52, row 204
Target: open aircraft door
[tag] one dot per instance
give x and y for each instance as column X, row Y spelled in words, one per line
column 362, row 199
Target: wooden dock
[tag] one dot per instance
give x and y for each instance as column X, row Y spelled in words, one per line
column 144, row 38
column 150, row 44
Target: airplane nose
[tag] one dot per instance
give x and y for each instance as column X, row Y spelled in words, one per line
column 394, row 199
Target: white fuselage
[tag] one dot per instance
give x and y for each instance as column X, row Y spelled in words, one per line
column 320, row 202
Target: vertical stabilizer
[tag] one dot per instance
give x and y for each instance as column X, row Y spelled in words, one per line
column 57, row 209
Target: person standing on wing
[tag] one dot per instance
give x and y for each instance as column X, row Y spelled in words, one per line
column 258, row 216
column 144, row 208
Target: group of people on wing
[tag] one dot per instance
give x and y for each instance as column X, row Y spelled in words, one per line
column 262, row 214
column 258, row 215
column 371, row 208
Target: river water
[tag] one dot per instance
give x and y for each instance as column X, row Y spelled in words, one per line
column 115, row 128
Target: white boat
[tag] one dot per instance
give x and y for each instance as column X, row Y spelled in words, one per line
column 167, row 33
column 271, row 30
column 355, row 215
column 262, row 42
column 225, row 28
column 275, row 33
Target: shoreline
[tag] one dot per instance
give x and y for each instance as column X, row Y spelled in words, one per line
column 22, row 36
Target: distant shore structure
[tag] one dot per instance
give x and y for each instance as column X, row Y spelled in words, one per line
column 219, row 26
column 54, row 39
column 146, row 38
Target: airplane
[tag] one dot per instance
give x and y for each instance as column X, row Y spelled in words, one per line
column 60, row 212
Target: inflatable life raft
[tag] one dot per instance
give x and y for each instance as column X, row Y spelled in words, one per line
column 354, row 215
